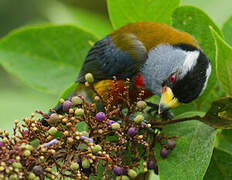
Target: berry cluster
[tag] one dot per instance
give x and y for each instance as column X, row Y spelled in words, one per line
column 84, row 142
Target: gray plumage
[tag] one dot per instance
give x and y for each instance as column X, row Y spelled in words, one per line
column 162, row 61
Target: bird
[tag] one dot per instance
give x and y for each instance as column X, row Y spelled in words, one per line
column 157, row 59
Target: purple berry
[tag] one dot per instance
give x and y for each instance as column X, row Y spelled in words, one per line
column 38, row 170
column 118, row 171
column 151, row 164
column 132, row 131
column 164, row 153
column 171, row 144
column 66, row 106
column 110, row 122
column 1, row 144
column 156, row 170
column 100, row 116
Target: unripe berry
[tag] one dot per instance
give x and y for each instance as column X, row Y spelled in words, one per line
column 27, row 153
column 115, row 126
column 171, row 144
column 31, row 176
column 138, row 119
column 13, row 177
column 66, row 106
column 125, row 178
column 132, row 132
column 96, row 98
column 84, row 133
column 74, row 166
column 85, row 163
column 79, row 112
column 132, row 173
column 97, row 148
column 53, row 118
column 118, row 171
column 141, row 104
column 17, row 165
column 100, row 116
column 89, row 78
column 76, row 100
column 38, row 170
column 52, row 131
column 164, row 153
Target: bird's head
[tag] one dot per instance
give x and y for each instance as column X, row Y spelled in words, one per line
column 187, row 80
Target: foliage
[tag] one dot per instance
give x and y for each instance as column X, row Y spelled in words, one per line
column 49, row 57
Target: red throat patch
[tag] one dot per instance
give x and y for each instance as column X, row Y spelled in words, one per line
column 139, row 82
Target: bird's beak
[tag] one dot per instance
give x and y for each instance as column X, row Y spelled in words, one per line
column 168, row 100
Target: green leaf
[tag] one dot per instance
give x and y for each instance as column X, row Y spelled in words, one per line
column 100, row 170
column 220, row 166
column 196, row 22
column 46, row 57
column 191, row 156
column 224, row 140
column 123, row 12
column 223, row 63
column 94, row 22
column 227, row 29
column 82, row 126
column 68, row 91
column 220, row 114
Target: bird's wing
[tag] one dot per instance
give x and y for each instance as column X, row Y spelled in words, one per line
column 122, row 59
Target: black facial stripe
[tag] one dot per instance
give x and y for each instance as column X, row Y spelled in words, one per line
column 190, row 86
column 186, row 47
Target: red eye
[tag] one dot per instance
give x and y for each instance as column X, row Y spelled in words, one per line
column 172, row 78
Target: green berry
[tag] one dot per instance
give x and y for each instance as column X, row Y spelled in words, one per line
column 17, row 165
column 84, row 133
column 31, row 176
column 29, row 147
column 85, row 163
column 125, row 178
column 79, row 112
column 52, row 131
column 27, row 153
column 97, row 148
column 132, row 173
column 138, row 119
column 76, row 100
column 89, row 78
column 74, row 166
column 115, row 126
column 13, row 177
column 141, row 104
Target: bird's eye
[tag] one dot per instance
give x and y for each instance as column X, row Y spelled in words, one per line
column 173, row 78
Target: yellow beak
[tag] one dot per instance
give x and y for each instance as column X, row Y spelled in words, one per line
column 167, row 100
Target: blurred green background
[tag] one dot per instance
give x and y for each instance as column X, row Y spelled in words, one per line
column 17, row 100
